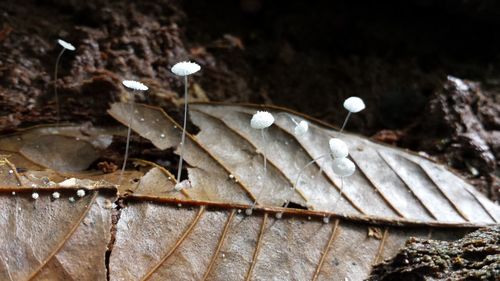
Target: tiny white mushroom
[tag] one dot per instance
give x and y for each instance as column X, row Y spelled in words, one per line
column 34, row 195
column 343, row 167
column 354, row 104
column 56, row 195
column 301, row 128
column 182, row 185
column 185, row 68
column 13, row 193
column 338, row 148
column 71, row 199
column 80, row 192
column 66, row 45
column 261, row 120
column 134, row 85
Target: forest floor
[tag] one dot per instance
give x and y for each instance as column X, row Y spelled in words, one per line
column 431, row 86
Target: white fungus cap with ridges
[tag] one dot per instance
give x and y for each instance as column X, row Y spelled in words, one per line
column 261, row 120
column 185, row 68
column 354, row 104
column 338, row 148
column 66, row 45
column 343, row 167
column 301, row 128
column 134, row 85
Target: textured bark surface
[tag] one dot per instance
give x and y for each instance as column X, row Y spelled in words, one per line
column 474, row 257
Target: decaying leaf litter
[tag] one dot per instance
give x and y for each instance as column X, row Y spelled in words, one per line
column 160, row 230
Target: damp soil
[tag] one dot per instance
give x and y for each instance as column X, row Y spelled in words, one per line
column 427, row 70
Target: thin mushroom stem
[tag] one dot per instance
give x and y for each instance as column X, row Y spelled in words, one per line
column 56, row 96
column 341, row 189
column 127, row 145
column 289, row 116
column 264, row 172
column 345, row 121
column 294, row 187
column 183, row 138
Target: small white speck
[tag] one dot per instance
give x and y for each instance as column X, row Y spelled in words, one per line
column 19, row 209
column 157, row 120
column 279, row 215
column 223, row 256
column 11, row 172
column 80, row 192
column 33, row 185
column 34, row 195
column 179, row 205
column 309, row 218
column 142, row 119
column 175, row 127
column 71, row 199
column 162, row 136
column 326, row 219
column 13, row 193
column 231, row 176
column 56, row 195
column 248, row 212
column 239, row 211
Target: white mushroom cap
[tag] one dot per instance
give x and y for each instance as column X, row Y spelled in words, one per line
column 66, row 45
column 34, row 195
column 185, row 68
column 56, row 195
column 301, row 128
column 80, row 192
column 354, row 104
column 343, row 167
column 261, row 120
column 185, row 184
column 134, row 85
column 338, row 148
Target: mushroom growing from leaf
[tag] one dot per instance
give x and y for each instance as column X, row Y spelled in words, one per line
column 65, row 46
column 261, row 120
column 353, row 105
column 184, row 69
column 134, row 86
